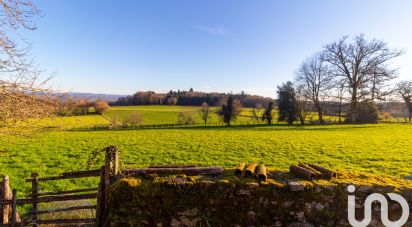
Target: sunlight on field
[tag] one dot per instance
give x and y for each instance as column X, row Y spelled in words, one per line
column 169, row 114
column 381, row 148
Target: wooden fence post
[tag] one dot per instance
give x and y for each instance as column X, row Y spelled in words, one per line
column 101, row 206
column 34, row 192
column 14, row 208
column 7, row 195
column 111, row 167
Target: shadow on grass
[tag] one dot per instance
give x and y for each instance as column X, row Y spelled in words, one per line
column 257, row 127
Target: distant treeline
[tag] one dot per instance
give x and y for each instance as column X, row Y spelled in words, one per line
column 188, row 98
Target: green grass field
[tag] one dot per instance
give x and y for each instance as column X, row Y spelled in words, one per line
column 169, row 114
column 380, row 148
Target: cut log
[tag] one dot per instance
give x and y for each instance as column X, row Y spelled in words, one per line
column 240, row 169
column 306, row 166
column 326, row 173
column 302, row 172
column 261, row 173
column 250, row 169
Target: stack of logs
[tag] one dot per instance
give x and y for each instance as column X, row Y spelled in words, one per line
column 309, row 171
column 251, row 170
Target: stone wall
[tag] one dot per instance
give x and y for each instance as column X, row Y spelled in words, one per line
column 228, row 201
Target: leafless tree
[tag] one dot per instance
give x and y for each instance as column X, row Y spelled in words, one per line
column 205, row 112
column 186, row 118
column 315, row 82
column 404, row 89
column 257, row 112
column 358, row 62
column 133, row 119
column 340, row 97
column 100, row 106
column 22, row 95
column 302, row 103
column 380, row 86
column 172, row 101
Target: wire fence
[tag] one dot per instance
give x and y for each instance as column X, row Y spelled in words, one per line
column 238, row 124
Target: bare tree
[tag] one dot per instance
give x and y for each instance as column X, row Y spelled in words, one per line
column 358, row 62
column 186, row 118
column 205, row 112
column 172, row 101
column 302, row 103
column 22, row 95
column 404, row 89
column 133, row 119
column 100, row 106
column 256, row 112
column 380, row 87
column 315, row 82
column 340, row 97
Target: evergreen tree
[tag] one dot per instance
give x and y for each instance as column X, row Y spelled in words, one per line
column 267, row 115
column 229, row 111
column 287, row 104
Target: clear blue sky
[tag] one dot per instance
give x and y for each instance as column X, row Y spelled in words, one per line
column 119, row 47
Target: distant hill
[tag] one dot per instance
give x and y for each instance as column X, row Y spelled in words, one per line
column 92, row 96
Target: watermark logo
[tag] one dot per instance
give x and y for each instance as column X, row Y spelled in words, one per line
column 384, row 209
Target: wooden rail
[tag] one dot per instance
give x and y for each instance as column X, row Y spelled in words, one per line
column 91, row 207
column 69, row 175
column 9, row 200
column 66, row 221
column 57, row 198
column 64, row 192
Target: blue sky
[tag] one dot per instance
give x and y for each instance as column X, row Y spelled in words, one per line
column 119, row 47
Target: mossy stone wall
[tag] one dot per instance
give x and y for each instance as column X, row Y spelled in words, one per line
column 187, row 201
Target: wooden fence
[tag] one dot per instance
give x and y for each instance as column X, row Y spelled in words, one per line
column 9, row 200
column 107, row 174
column 221, row 124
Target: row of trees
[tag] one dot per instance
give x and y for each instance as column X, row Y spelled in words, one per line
column 230, row 109
column 188, row 98
column 356, row 73
column 82, row 107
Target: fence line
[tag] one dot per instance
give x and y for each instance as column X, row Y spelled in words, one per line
column 35, row 197
column 219, row 124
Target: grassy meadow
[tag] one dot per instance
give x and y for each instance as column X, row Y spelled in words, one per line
column 169, row 114
column 379, row 148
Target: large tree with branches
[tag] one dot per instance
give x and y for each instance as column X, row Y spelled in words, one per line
column 404, row 89
column 315, row 82
column 363, row 66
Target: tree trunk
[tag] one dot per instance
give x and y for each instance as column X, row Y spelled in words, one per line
column 353, row 104
column 302, row 120
column 410, row 116
column 320, row 113
column 340, row 111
